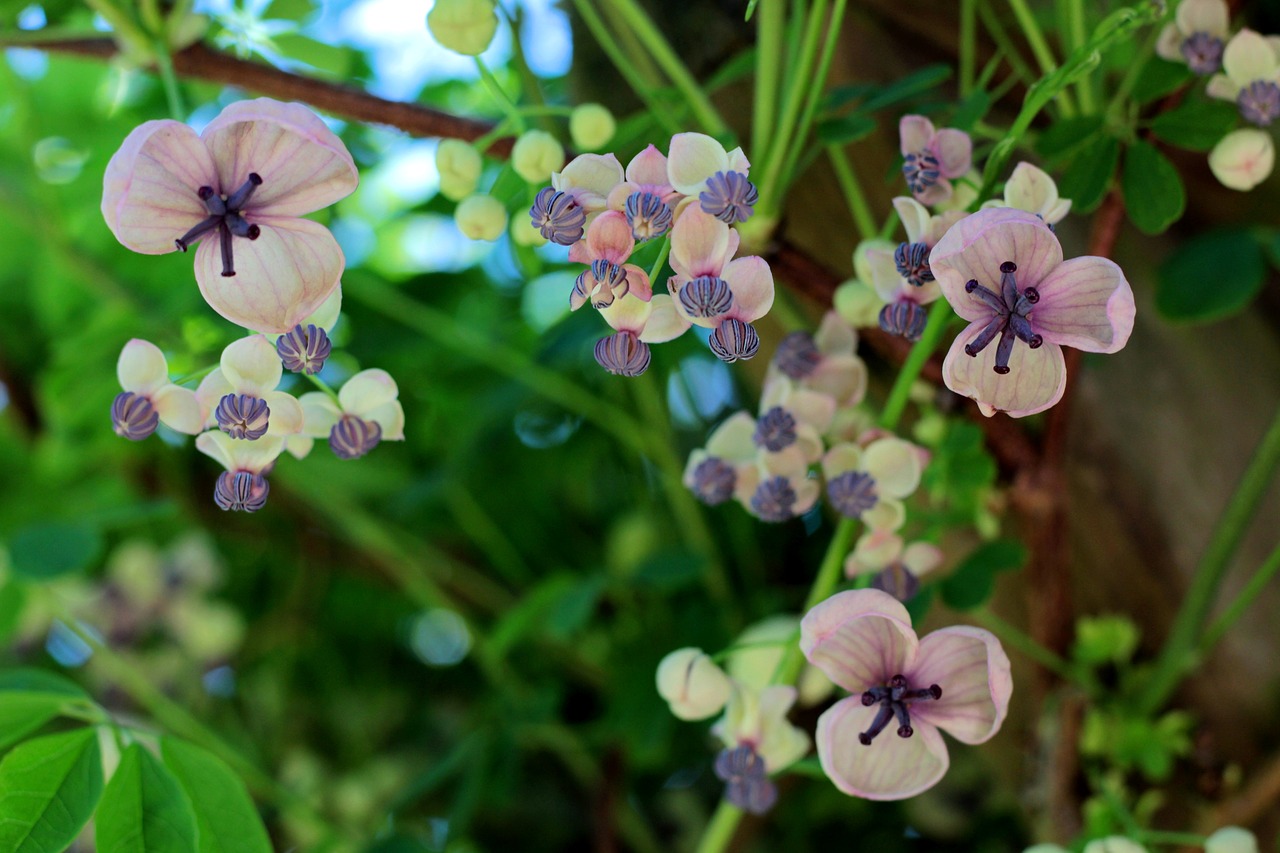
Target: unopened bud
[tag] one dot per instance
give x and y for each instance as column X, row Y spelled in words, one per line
column 481, row 217
column 459, row 165
column 858, row 304
column 1231, row 839
column 524, row 234
column 536, row 155
column 463, row 26
column 692, row 684
column 591, row 126
column 1243, row 159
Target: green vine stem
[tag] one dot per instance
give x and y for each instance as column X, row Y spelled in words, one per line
column 939, row 315
column 1040, row 50
column 769, row 50
column 500, row 95
column 1024, row 643
column 1241, row 602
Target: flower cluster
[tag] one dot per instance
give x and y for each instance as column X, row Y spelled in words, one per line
column 238, row 190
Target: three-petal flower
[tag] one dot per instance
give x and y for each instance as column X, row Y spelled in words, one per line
column 149, row 397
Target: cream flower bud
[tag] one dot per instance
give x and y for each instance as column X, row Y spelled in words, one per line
column 1231, row 839
column 481, row 217
column 536, row 155
column 692, row 684
column 591, row 126
column 1243, row 159
column 858, row 304
column 463, row 26
column 524, row 234
column 459, row 165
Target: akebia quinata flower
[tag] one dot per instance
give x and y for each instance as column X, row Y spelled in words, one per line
column 1002, row 270
column 1251, row 77
column 240, row 397
column 1197, row 35
column 238, row 190
column 149, row 398
column 931, row 158
column 243, row 487
column 883, row 741
column 367, row 411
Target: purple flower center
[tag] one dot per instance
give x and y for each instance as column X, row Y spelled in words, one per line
column 623, row 354
column 797, row 356
column 774, row 499
column 733, row 340
column 912, row 260
column 243, row 416
column 706, row 296
column 602, row 282
column 921, row 171
column 558, row 216
column 1009, row 319
column 353, row 437
column 903, row 318
column 133, row 416
column 241, row 491
column 714, row 481
column 1203, row 53
column 648, row 215
column 897, row 580
column 1259, row 102
column 226, row 215
column 304, row 349
column 729, row 197
column 853, row 493
column 747, row 782
column 895, row 700
column 776, row 430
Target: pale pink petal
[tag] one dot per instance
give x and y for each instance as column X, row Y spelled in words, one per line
column 935, row 194
column 141, row 367
column 609, row 238
column 751, row 281
column 210, row 392
column 835, row 336
column 319, row 414
column 389, row 416
column 842, row 377
column 973, row 672
column 303, row 165
column 941, row 224
column 1085, row 303
column 890, row 767
column 1248, row 57
column 326, row 316
column 366, row 391
column 885, row 277
column 1243, row 158
column 876, row 549
column 178, row 408
column 915, row 218
column 894, row 464
column 699, row 244
column 914, row 134
column 732, row 440
column 813, row 408
column 976, row 246
column 921, row 558
column 664, row 323
column 627, row 313
column 738, row 161
column 648, row 167
column 860, row 638
column 283, row 276
column 638, row 283
column 252, row 366
column 694, row 158
column 1203, row 16
column 954, row 150
column 589, row 178
column 149, row 190
column 286, row 414
column 1035, row 381
column 1169, row 44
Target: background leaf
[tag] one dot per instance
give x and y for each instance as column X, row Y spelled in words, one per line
column 1086, row 180
column 1153, row 191
column 48, row 788
column 1197, row 125
column 49, row 550
column 144, row 809
column 1195, row 285
column 970, row 585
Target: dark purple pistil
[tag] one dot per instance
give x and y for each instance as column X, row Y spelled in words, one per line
column 304, row 349
column 776, row 430
column 706, row 297
column 1203, row 53
column 729, row 197
column 895, row 700
column 1009, row 319
column 353, row 437
column 243, row 416
column 648, row 215
column 623, row 354
column 602, row 282
column 225, row 215
column 912, row 260
column 241, row 491
column 921, row 171
column 714, row 481
column 774, row 499
column 733, row 340
column 853, row 493
column 747, row 783
column 904, row 318
column 798, row 355
column 133, row 416
column 1259, row 102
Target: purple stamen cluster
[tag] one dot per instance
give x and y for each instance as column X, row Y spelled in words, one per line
column 304, row 349
column 921, row 171
column 733, row 340
column 904, row 318
column 895, row 700
column 774, row 499
column 648, row 215
column 853, row 493
column 714, row 481
column 706, row 296
column 606, row 279
column 353, row 437
column 623, row 354
column 226, row 216
column 241, row 491
column 243, row 416
column 897, row 580
column 1259, row 102
column 558, row 216
column 747, row 782
column 776, row 430
column 1203, row 53
column 1010, row 319
column 133, row 416
column 729, row 197
column 912, row 260
column 798, row 355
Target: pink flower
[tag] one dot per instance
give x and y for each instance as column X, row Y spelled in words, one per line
column 646, row 196
column 956, row 679
column 637, row 323
column 1002, row 270
column 933, row 157
column 240, row 188
column 608, row 244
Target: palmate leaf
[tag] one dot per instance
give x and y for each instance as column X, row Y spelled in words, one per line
column 48, row 788
column 144, row 810
column 225, row 815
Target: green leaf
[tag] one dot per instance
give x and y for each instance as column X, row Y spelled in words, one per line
column 1158, row 78
column 973, row 580
column 1067, row 135
column 29, row 680
column 22, row 713
column 13, row 598
column 1196, row 125
column 144, row 809
column 971, row 110
column 48, row 788
column 49, row 550
column 846, row 129
column 908, row 87
column 1153, row 191
column 1088, row 177
column 738, row 67
column 1196, row 285
column 225, row 814
column 558, row 606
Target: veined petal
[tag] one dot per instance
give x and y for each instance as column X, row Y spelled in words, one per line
column 648, row 167
column 389, row 416
column 915, row 217
column 732, row 440
column 890, row 767
column 1035, row 381
column 938, row 193
column 178, row 409
column 236, row 455
column 142, row 368
column 973, row 671
column 252, row 366
column 664, row 323
column 694, row 158
column 1248, row 57
column 1031, row 189
column 149, row 190
column 954, row 150
column 914, row 134
column 1203, row 16
column 281, row 277
column 286, row 414
column 1085, row 303
column 304, row 166
column 366, row 391
column 860, row 638
column 894, row 464
column 976, row 246
column 319, row 414
column 609, row 238
column 751, row 281
column 638, row 284
column 628, row 313
column 699, row 244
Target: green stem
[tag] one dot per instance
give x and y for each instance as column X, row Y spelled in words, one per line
column 896, row 404
column 500, row 95
column 720, row 828
column 1214, row 562
column 968, row 45
column 769, row 49
column 670, row 63
column 1024, row 643
column 662, row 259
column 1241, row 602
column 1077, row 34
column 1040, row 50
column 1115, row 107
column 853, row 195
column 1000, row 36
column 169, row 78
column 323, row 386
